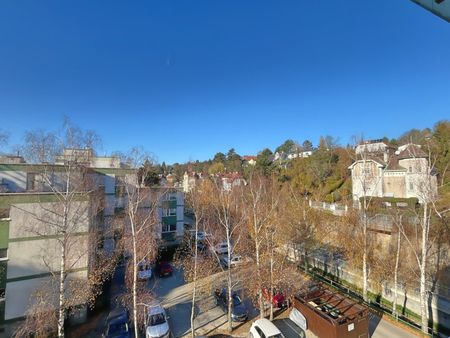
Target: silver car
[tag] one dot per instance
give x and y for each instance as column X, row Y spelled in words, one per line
column 156, row 322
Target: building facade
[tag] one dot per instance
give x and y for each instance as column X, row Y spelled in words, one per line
column 383, row 171
column 29, row 250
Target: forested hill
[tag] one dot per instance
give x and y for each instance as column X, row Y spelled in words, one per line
column 324, row 174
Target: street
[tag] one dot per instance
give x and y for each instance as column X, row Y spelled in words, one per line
column 175, row 296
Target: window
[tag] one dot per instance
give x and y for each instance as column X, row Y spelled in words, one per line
column 169, row 227
column 3, row 254
column 410, row 169
column 120, row 186
column 169, row 212
column 261, row 334
column 411, row 186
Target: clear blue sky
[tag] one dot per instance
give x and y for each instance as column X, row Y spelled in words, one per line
column 186, row 79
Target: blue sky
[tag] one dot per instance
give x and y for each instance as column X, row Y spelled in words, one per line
column 186, row 79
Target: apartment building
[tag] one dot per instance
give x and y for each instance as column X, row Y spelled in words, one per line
column 28, row 248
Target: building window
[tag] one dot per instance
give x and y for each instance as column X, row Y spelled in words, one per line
column 120, row 186
column 411, row 186
column 169, row 227
column 169, row 212
column 3, row 254
column 410, row 169
column 170, row 196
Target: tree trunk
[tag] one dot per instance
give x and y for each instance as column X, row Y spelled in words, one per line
column 62, row 273
column 62, row 277
column 364, row 262
column 423, row 270
column 135, row 321
column 397, row 262
column 365, row 277
column 194, row 290
column 271, row 283
column 230, row 292
column 258, row 274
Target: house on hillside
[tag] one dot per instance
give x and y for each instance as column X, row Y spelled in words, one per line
column 190, row 180
column 385, row 171
column 230, row 180
column 249, row 160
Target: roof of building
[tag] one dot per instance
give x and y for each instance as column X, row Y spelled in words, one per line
column 411, row 151
column 393, row 165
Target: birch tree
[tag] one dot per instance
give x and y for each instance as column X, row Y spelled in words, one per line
column 68, row 218
column 368, row 177
column 230, row 219
column 196, row 265
column 140, row 225
column 260, row 198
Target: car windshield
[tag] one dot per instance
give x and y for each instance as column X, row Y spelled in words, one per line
column 143, row 267
column 118, row 328
column 236, row 300
column 156, row 319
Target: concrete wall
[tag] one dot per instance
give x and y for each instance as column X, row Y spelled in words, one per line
column 18, row 294
column 394, row 184
column 34, row 249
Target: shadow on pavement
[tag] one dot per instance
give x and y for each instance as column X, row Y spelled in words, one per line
column 374, row 320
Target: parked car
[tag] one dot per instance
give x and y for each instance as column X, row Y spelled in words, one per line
column 145, row 270
column 221, row 248
column 234, row 261
column 156, row 322
column 200, row 235
column 238, row 309
column 118, row 324
column 278, row 298
column 264, row 328
column 164, row 269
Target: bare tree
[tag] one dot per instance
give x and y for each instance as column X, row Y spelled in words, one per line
column 425, row 183
column 195, row 263
column 230, row 219
column 368, row 178
column 260, row 198
column 139, row 225
column 67, row 218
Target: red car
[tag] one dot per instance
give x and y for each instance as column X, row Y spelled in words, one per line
column 164, row 269
column 278, row 298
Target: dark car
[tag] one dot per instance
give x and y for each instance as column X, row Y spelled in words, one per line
column 164, row 269
column 118, row 324
column 238, row 309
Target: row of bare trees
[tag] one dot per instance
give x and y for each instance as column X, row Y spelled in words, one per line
column 254, row 222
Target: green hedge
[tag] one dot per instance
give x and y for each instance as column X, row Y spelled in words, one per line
column 378, row 202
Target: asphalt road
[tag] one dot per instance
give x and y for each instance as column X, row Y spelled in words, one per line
column 175, row 296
